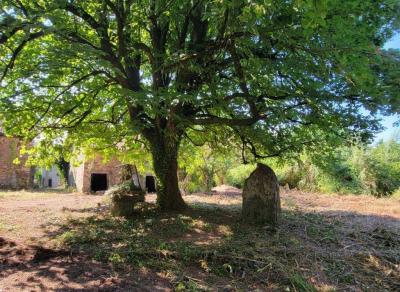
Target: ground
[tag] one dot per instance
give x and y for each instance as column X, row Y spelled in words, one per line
column 64, row 241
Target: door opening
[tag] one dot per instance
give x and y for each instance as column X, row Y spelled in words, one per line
column 150, row 184
column 50, row 183
column 98, row 182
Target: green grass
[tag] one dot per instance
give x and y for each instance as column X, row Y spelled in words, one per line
column 209, row 247
column 216, row 244
column 170, row 243
column 301, row 284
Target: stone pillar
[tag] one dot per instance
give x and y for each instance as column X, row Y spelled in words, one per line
column 261, row 202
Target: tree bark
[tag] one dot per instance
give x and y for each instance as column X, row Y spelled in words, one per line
column 164, row 150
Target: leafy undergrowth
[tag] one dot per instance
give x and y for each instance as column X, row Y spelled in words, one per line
column 208, row 248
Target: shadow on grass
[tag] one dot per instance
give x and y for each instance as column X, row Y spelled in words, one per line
column 208, row 247
column 34, row 268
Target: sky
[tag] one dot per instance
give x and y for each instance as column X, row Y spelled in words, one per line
column 388, row 122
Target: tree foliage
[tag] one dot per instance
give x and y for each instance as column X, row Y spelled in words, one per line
column 356, row 169
column 273, row 76
column 203, row 167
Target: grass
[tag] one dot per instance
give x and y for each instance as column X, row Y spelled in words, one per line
column 28, row 195
column 324, row 243
column 208, row 247
column 396, row 194
column 300, row 284
column 7, row 227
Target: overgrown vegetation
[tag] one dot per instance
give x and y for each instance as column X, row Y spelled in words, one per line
column 357, row 169
column 210, row 248
column 267, row 77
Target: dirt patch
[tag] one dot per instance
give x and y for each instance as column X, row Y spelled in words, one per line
column 67, row 242
column 29, row 218
column 226, row 190
column 36, row 268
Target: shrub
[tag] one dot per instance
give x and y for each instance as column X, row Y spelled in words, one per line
column 237, row 175
column 396, row 194
column 123, row 198
column 356, row 169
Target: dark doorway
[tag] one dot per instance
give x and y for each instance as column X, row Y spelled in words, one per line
column 150, row 184
column 98, row 182
column 50, row 183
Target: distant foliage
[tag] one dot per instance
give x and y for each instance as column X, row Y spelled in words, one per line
column 356, row 169
column 237, row 175
column 202, row 168
column 396, row 194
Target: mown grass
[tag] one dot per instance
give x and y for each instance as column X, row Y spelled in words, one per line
column 209, row 248
column 6, row 227
column 29, row 194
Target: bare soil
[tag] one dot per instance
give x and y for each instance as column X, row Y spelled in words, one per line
column 329, row 242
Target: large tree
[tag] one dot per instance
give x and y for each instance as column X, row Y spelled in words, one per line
column 276, row 75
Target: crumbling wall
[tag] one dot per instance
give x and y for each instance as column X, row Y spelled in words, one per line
column 82, row 173
column 12, row 175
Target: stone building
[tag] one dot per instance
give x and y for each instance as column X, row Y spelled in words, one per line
column 50, row 178
column 15, row 176
column 96, row 175
column 90, row 176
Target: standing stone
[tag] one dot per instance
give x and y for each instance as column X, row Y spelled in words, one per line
column 261, row 202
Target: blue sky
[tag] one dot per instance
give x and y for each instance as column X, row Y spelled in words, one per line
column 388, row 122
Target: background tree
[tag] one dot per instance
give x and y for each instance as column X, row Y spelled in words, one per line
column 274, row 76
column 64, row 167
column 203, row 167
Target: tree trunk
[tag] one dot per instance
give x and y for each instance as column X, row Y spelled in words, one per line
column 165, row 161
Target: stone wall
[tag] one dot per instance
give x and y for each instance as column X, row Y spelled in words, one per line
column 76, row 176
column 50, row 174
column 12, row 175
column 82, row 173
column 97, row 165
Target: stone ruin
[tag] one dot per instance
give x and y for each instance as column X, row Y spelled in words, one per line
column 261, row 202
column 13, row 176
column 96, row 175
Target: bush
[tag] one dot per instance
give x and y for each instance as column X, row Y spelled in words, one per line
column 237, row 175
column 123, row 198
column 384, row 165
column 357, row 169
column 396, row 194
column 289, row 175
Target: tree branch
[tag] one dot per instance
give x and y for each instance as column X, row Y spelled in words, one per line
column 17, row 51
column 215, row 120
column 73, row 83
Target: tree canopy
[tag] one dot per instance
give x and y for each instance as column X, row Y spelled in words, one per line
column 269, row 76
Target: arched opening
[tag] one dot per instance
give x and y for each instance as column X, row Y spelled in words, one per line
column 150, row 184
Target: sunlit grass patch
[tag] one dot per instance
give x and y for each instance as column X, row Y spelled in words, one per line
column 7, row 227
column 160, row 242
column 310, row 251
column 29, row 194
